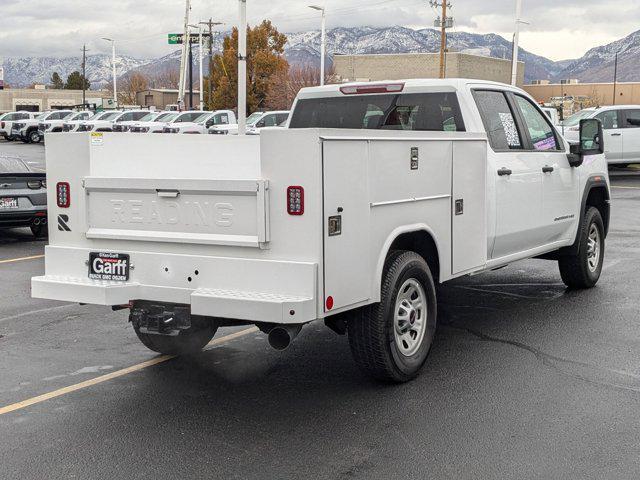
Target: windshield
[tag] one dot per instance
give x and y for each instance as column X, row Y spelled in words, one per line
column 254, row 117
column 166, row 117
column 78, row 116
column 110, row 115
column 576, row 117
column 188, row 117
column 39, row 117
column 149, row 117
column 202, row 118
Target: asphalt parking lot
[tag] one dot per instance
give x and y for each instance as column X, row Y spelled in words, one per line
column 525, row 380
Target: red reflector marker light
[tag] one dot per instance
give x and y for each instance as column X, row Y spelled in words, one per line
column 295, row 200
column 63, row 193
column 329, row 302
column 376, row 88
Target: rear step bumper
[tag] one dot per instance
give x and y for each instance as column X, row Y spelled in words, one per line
column 281, row 292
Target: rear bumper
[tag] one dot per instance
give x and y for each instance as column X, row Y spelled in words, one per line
column 241, row 289
column 20, row 218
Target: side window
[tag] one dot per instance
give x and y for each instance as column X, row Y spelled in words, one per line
column 281, row 118
column 609, row 119
column 498, row 120
column 23, row 116
column 631, row 118
column 125, row 118
column 138, row 115
column 540, row 130
column 270, row 121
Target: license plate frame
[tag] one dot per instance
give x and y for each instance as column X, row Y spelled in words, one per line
column 9, row 203
column 114, row 267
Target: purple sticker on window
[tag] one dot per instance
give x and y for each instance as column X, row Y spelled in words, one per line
column 547, row 144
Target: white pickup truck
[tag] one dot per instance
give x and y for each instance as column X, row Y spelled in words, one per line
column 374, row 194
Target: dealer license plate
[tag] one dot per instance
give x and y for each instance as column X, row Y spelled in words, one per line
column 109, row 266
column 8, row 203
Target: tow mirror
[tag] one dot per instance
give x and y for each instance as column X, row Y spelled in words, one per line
column 591, row 141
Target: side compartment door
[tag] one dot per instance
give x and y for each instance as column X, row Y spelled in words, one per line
column 631, row 124
column 347, row 269
column 469, row 206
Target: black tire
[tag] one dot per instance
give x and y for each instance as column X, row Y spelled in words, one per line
column 9, row 138
column 39, row 231
column 583, row 269
column 188, row 342
column 372, row 331
column 34, row 136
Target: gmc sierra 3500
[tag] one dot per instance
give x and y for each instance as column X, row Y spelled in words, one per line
column 372, row 195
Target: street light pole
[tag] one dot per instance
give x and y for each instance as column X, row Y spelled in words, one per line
column 242, row 67
column 183, row 55
column 516, row 44
column 201, row 59
column 115, row 74
column 323, row 41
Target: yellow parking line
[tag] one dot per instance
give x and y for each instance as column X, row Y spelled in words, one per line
column 13, row 260
column 112, row 375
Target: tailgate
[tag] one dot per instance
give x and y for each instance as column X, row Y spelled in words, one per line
column 206, row 212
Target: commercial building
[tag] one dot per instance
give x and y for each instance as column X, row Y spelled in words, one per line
column 592, row 94
column 159, row 98
column 40, row 99
column 377, row 67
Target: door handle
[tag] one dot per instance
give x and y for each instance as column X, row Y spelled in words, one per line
column 616, row 134
column 168, row 193
column 547, row 169
column 504, row 172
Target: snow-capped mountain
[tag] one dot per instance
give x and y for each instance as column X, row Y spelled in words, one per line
column 22, row 72
column 598, row 64
column 304, row 48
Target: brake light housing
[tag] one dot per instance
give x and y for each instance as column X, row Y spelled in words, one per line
column 372, row 88
column 63, row 194
column 295, row 200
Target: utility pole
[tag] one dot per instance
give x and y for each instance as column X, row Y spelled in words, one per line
column 242, row 67
column 190, row 74
column 443, row 22
column 210, row 24
column 183, row 56
column 615, row 79
column 84, row 75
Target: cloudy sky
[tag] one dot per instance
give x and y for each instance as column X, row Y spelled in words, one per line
column 558, row 29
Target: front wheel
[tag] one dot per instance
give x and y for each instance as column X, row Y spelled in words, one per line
column 34, row 137
column 187, row 342
column 390, row 340
column 583, row 269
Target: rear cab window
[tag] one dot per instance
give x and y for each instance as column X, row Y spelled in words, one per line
column 405, row 111
column 631, row 118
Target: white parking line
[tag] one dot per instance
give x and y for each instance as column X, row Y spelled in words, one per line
column 110, row 376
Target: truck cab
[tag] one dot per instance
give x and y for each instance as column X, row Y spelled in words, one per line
column 373, row 195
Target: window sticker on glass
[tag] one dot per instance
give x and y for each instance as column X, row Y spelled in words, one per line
column 510, row 129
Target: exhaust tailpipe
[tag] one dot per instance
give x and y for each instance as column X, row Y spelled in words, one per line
column 36, row 222
column 280, row 337
column 44, row 221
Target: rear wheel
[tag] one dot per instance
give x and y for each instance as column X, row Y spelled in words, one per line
column 187, row 342
column 39, row 231
column 390, row 340
column 583, row 269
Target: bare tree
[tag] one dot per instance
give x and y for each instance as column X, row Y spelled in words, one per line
column 284, row 87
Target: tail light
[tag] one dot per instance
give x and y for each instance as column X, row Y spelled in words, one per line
column 295, row 200
column 63, row 194
column 372, row 88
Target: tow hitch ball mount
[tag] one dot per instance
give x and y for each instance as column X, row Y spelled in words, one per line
column 160, row 319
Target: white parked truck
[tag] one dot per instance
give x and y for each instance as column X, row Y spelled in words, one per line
column 374, row 194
